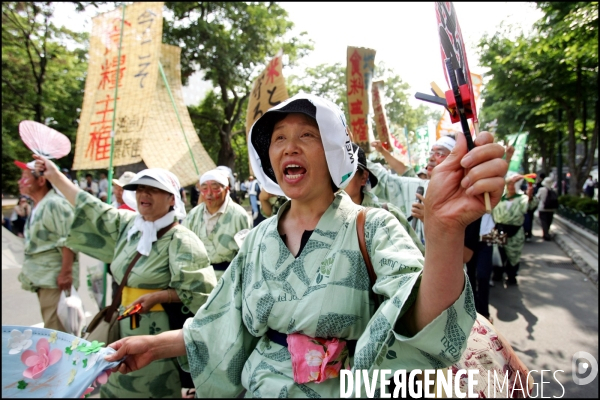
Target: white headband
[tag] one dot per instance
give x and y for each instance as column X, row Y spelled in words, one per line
column 341, row 159
column 167, row 180
column 215, row 175
column 447, row 142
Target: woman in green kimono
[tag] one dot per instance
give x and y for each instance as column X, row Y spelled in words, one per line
column 299, row 276
column 172, row 269
column 509, row 216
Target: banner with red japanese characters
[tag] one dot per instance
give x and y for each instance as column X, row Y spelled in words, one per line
column 137, row 71
column 268, row 90
column 359, row 77
column 383, row 132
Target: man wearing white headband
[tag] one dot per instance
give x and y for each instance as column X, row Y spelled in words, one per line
column 173, row 274
column 300, row 281
column 402, row 190
column 49, row 266
column 217, row 219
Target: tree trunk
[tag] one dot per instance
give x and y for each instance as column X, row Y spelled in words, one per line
column 226, row 154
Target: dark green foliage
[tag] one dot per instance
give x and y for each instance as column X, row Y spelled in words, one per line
column 549, row 79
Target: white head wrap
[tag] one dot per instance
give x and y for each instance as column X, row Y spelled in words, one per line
column 216, row 175
column 164, row 180
column 447, row 142
column 548, row 182
column 341, row 158
column 229, row 173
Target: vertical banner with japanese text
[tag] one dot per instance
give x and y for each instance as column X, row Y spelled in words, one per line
column 518, row 141
column 137, row 70
column 381, row 124
column 268, row 90
column 359, row 76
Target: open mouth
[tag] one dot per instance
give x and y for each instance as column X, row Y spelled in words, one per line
column 294, row 172
column 145, row 204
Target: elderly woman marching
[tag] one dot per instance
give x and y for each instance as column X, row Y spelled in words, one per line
column 294, row 306
column 174, row 268
column 509, row 216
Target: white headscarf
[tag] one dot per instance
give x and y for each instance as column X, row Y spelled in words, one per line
column 228, row 172
column 342, row 160
column 216, row 175
column 165, row 180
column 447, row 142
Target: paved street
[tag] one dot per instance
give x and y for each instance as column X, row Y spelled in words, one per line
column 548, row 317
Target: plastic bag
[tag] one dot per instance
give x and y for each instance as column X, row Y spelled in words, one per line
column 95, row 282
column 496, row 257
column 70, row 312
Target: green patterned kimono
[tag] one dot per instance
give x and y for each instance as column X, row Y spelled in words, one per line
column 220, row 244
column 369, row 200
column 324, row 292
column 177, row 260
column 45, row 236
column 398, row 190
column 512, row 212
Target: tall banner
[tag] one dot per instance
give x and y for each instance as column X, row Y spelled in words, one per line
column 164, row 145
column 268, row 90
column 381, row 124
column 518, row 141
column 137, row 69
column 445, row 125
column 359, row 75
column 421, row 150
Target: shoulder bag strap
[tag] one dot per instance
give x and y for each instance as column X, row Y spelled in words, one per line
column 115, row 304
column 360, row 230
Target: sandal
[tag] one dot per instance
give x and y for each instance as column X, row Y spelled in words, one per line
column 188, row 393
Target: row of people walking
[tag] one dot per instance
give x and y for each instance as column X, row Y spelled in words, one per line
column 297, row 277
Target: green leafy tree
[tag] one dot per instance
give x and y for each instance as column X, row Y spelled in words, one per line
column 550, row 80
column 42, row 80
column 231, row 44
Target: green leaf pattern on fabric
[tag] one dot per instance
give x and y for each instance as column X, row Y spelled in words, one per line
column 177, row 260
column 267, row 287
column 45, row 236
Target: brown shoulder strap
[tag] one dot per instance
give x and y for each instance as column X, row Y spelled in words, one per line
column 362, row 243
column 115, row 304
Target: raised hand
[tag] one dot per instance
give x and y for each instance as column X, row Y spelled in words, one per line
column 455, row 192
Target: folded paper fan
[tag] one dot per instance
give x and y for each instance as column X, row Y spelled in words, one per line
column 43, row 140
column 38, row 363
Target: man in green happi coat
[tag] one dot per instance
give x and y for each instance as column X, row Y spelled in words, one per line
column 217, row 219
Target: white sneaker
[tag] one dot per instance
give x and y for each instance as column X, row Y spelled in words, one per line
column 255, row 215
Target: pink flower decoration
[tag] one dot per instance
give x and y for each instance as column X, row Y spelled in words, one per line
column 103, row 377
column 87, row 391
column 38, row 362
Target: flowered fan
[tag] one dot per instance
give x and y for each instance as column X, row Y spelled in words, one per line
column 39, row 363
column 44, row 141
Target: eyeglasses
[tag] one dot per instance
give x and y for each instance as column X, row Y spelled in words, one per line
column 437, row 154
column 216, row 189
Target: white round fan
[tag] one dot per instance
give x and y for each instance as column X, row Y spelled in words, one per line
column 43, row 140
